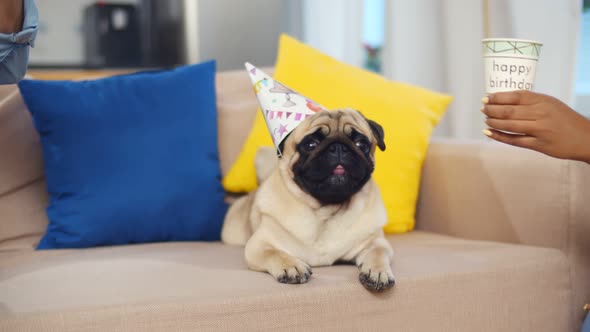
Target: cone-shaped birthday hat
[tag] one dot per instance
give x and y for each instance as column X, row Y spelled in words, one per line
column 283, row 108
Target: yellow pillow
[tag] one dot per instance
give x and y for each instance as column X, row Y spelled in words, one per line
column 407, row 113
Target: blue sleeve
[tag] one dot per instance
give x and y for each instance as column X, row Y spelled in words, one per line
column 586, row 324
column 14, row 47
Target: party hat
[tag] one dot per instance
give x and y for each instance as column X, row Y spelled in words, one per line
column 283, row 108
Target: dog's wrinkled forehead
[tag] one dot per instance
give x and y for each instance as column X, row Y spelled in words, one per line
column 332, row 123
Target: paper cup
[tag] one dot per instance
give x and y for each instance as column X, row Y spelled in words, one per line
column 510, row 64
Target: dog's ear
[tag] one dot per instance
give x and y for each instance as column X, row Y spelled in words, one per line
column 378, row 133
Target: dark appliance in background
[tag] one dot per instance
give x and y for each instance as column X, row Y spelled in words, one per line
column 149, row 34
column 165, row 33
column 112, row 36
column 162, row 26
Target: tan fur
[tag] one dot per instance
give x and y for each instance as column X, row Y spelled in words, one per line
column 286, row 231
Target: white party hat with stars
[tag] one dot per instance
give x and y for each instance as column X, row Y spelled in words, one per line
column 283, row 108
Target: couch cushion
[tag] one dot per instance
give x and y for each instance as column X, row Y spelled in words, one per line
column 126, row 165
column 443, row 284
column 23, row 196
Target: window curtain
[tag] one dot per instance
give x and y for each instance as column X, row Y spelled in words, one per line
column 437, row 45
column 335, row 27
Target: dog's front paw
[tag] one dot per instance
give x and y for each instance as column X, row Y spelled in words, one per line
column 376, row 278
column 291, row 270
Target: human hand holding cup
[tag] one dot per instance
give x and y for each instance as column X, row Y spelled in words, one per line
column 509, row 65
column 520, row 117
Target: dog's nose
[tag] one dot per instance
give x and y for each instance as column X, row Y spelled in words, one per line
column 337, row 149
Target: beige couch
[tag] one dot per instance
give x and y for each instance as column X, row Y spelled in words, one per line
column 502, row 244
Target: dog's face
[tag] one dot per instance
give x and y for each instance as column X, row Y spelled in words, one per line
column 331, row 154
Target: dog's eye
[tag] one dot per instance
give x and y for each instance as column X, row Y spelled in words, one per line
column 311, row 145
column 362, row 145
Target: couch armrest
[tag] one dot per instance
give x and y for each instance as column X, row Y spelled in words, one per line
column 489, row 191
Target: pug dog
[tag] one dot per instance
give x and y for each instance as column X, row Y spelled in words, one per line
column 318, row 205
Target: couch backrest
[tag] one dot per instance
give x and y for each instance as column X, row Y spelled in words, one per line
column 22, row 189
column 236, row 108
column 23, row 196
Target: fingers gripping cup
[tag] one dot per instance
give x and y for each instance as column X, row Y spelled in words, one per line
column 510, row 64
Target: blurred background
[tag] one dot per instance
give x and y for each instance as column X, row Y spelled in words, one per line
column 435, row 44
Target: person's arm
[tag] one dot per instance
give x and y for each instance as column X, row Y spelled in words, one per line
column 18, row 28
column 11, row 16
column 537, row 122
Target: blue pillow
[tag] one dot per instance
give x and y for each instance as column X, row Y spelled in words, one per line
column 130, row 159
